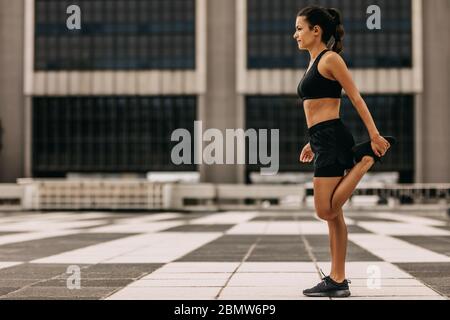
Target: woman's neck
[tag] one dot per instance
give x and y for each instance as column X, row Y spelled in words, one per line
column 316, row 51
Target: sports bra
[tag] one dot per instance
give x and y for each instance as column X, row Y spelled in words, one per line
column 315, row 86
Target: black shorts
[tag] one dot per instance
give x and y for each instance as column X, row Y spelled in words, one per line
column 331, row 143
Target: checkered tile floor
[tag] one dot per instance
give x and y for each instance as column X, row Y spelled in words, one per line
column 225, row 255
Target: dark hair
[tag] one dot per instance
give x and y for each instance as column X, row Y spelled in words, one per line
column 329, row 20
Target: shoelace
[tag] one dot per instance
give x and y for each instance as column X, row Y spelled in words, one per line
column 323, row 274
column 325, row 277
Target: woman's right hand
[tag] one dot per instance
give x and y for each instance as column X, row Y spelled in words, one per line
column 306, row 155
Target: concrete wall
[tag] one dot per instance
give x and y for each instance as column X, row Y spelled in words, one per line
column 222, row 107
column 11, row 89
column 434, row 110
column 219, row 107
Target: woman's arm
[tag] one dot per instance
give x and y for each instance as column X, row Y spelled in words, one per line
column 337, row 67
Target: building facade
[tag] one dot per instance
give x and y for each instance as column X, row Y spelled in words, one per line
column 107, row 97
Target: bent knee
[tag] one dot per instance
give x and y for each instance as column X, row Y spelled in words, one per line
column 368, row 160
column 326, row 214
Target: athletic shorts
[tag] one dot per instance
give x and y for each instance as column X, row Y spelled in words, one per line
column 331, row 143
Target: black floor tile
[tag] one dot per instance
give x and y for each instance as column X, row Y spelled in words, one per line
column 436, row 274
column 356, row 229
column 362, row 218
column 35, row 249
column 51, row 280
column 438, row 244
column 321, row 251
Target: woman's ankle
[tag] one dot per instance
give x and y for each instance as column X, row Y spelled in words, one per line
column 337, row 279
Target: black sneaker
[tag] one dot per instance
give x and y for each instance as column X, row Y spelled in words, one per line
column 365, row 149
column 329, row 288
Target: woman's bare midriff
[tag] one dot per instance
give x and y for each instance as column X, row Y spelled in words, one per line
column 319, row 110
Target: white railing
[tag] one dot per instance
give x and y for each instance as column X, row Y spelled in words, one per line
column 117, row 194
column 94, row 194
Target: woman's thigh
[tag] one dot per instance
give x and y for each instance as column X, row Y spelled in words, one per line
column 323, row 191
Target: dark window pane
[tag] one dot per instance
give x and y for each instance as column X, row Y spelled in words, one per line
column 271, row 25
column 121, row 24
column 108, row 134
column 393, row 115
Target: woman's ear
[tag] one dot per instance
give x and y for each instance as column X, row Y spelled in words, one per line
column 316, row 29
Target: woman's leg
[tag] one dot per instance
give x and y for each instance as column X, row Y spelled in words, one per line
column 348, row 184
column 338, row 247
column 324, row 188
column 334, row 215
column 323, row 192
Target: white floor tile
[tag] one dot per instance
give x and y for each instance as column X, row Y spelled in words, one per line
column 166, row 247
column 404, row 217
column 402, row 229
column 395, row 250
column 283, row 228
column 274, row 267
column 27, row 236
column 230, row 217
column 4, row 265
column 263, row 293
column 158, row 275
column 48, row 225
column 199, row 267
column 368, row 269
column 319, row 227
column 393, row 291
column 142, row 227
column 298, row 280
column 179, row 283
column 146, row 248
column 165, row 293
column 386, row 282
column 257, row 227
column 280, row 228
column 152, row 217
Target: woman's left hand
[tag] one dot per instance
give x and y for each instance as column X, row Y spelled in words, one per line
column 380, row 145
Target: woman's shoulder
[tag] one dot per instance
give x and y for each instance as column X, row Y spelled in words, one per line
column 332, row 58
column 330, row 54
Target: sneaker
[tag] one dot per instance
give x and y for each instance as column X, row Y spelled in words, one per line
column 329, row 288
column 365, row 149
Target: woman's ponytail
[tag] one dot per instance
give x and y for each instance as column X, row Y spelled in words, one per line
column 339, row 33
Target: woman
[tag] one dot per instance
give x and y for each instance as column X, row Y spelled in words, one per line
column 331, row 144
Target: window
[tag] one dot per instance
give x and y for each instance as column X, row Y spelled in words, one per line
column 271, row 25
column 393, row 115
column 116, row 35
column 108, row 134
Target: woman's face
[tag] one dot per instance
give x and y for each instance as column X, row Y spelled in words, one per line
column 303, row 35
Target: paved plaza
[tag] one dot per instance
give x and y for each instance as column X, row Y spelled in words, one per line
column 243, row 255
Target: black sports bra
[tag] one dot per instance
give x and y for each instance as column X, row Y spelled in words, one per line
column 315, row 86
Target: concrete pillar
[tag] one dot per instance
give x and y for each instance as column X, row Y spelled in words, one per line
column 435, row 102
column 219, row 107
column 11, row 89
